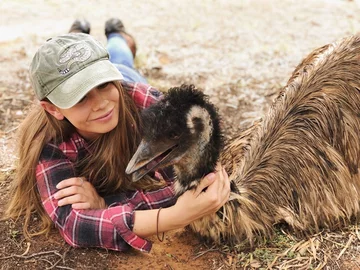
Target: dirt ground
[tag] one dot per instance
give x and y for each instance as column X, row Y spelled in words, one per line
column 240, row 52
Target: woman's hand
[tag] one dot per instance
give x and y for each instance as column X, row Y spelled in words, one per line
column 190, row 206
column 194, row 204
column 80, row 193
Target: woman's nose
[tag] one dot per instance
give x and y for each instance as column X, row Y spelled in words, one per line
column 99, row 102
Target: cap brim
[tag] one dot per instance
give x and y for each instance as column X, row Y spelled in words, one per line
column 71, row 91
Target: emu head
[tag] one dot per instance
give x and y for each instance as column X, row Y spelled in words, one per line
column 181, row 130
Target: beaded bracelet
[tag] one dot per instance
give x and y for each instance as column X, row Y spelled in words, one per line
column 157, row 227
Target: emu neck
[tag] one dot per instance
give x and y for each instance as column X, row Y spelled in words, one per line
column 198, row 161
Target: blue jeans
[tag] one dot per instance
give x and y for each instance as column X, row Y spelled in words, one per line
column 121, row 56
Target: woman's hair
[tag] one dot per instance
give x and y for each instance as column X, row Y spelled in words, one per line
column 104, row 167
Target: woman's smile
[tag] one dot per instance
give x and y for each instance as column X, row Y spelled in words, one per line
column 105, row 117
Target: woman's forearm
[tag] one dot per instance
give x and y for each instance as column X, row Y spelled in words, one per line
column 146, row 221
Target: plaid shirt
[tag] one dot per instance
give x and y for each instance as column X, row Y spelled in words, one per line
column 109, row 228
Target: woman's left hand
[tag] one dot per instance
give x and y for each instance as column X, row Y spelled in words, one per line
column 80, row 193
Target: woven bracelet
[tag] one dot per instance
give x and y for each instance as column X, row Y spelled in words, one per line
column 157, row 227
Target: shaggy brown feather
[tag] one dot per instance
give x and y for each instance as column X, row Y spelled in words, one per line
column 300, row 165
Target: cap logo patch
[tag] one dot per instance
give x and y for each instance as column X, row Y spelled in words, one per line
column 75, row 53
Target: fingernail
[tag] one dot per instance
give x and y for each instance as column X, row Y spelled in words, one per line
column 56, row 195
column 211, row 176
column 57, row 186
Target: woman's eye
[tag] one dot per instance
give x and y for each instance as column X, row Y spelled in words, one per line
column 82, row 100
column 104, row 85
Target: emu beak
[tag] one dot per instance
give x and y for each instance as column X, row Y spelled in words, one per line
column 148, row 157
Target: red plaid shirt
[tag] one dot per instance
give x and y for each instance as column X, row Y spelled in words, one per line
column 109, row 228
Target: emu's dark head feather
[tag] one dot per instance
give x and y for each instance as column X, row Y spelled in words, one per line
column 182, row 130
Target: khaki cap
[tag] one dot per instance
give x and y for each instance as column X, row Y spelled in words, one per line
column 67, row 67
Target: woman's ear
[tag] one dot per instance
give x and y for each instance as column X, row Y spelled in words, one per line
column 52, row 109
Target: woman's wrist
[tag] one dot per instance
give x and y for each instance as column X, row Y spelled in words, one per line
column 148, row 222
column 172, row 218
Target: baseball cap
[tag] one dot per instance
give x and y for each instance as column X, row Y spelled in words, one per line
column 67, row 67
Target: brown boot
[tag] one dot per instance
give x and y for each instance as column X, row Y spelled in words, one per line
column 80, row 26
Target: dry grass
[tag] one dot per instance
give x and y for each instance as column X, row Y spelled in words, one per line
column 325, row 250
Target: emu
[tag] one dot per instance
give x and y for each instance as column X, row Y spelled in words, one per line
column 299, row 165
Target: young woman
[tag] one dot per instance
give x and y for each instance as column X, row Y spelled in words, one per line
column 74, row 147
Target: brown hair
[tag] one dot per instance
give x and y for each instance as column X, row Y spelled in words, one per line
column 104, row 167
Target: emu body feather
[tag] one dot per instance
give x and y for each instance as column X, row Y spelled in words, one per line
column 300, row 165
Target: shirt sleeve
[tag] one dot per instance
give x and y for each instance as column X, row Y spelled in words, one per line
column 143, row 94
column 109, row 228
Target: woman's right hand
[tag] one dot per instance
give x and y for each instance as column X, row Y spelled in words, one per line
column 194, row 204
column 190, row 206
column 78, row 192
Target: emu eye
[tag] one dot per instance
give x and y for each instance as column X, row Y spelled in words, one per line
column 174, row 135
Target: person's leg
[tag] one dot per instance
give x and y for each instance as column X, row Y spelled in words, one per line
column 117, row 37
column 119, row 51
column 130, row 42
column 122, row 49
column 130, row 74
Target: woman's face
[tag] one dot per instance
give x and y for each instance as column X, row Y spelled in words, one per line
column 97, row 113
